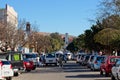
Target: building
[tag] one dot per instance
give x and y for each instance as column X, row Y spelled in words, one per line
column 8, row 20
column 8, row 16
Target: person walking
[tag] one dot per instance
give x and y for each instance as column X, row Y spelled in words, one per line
column 60, row 60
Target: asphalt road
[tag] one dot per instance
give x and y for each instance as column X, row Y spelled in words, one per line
column 70, row 71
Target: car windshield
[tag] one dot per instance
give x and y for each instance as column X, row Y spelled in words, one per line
column 50, row 55
column 29, row 56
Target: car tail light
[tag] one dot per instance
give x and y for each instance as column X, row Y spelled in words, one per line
column 1, row 64
column 10, row 66
column 27, row 63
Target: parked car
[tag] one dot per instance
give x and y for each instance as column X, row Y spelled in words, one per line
column 28, row 65
column 32, row 57
column 81, row 58
column 68, row 55
column 50, row 58
column 96, row 62
column 115, row 71
column 106, row 66
column 6, row 71
column 78, row 58
column 85, row 60
column 90, row 60
column 16, row 60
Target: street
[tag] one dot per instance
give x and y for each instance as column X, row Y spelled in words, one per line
column 70, row 71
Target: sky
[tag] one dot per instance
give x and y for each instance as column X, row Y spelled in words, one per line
column 62, row 16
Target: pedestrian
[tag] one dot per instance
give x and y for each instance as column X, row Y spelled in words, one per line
column 60, row 60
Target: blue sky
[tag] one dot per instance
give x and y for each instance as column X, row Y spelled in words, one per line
column 63, row 16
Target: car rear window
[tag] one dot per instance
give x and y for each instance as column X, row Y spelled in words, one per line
column 100, row 58
column 30, row 56
column 113, row 60
column 50, row 55
column 5, row 62
column 16, row 57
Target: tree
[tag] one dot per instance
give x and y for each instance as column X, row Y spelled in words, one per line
column 107, row 37
column 57, row 41
column 108, row 8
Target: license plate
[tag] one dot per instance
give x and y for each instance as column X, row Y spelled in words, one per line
column 50, row 60
column 15, row 70
column 6, row 73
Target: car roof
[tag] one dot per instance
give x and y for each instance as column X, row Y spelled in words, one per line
column 3, row 60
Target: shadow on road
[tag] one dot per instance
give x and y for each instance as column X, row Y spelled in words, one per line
column 77, row 70
column 84, row 76
column 88, row 76
column 102, row 79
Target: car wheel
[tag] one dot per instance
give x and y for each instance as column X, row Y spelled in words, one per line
column 55, row 64
column 106, row 74
column 28, row 70
column 34, row 68
column 112, row 77
column 9, row 78
column 46, row 64
column 101, row 72
column 16, row 74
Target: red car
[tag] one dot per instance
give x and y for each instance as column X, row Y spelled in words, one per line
column 106, row 66
column 28, row 65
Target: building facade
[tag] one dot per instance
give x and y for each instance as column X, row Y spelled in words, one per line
column 9, row 16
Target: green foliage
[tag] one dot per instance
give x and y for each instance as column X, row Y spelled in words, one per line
column 55, row 44
column 72, row 46
column 77, row 43
column 106, row 36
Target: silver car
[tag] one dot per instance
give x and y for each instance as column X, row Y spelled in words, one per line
column 96, row 62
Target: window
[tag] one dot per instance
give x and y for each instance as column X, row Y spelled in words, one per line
column 16, row 57
column 50, row 55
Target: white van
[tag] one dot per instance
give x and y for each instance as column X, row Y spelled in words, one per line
column 6, row 71
column 50, row 58
column 68, row 55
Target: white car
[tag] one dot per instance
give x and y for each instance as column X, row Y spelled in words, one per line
column 115, row 71
column 6, row 71
column 50, row 58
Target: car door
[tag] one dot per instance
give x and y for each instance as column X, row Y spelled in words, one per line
column 114, row 70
